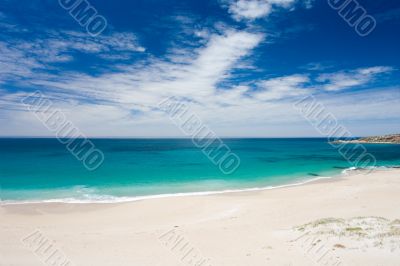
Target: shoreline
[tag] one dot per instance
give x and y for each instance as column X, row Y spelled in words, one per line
column 358, row 212
column 127, row 199
column 171, row 195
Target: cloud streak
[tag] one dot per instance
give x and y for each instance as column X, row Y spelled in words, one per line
column 349, row 79
column 119, row 96
column 255, row 9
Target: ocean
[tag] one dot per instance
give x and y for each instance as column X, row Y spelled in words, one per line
column 42, row 169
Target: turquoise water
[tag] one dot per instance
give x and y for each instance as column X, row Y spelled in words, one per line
column 43, row 169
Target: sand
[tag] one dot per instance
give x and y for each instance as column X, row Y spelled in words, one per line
column 348, row 220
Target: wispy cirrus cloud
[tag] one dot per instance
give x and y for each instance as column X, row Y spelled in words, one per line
column 282, row 87
column 23, row 59
column 131, row 93
column 192, row 75
column 350, row 78
column 200, row 66
column 25, row 50
column 15, row 64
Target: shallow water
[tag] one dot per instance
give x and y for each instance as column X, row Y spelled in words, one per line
column 43, row 169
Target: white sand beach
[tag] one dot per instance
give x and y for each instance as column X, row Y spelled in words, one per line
column 348, row 220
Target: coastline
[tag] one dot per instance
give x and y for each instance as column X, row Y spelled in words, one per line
column 126, row 199
column 238, row 228
column 386, row 139
column 117, row 200
column 364, row 142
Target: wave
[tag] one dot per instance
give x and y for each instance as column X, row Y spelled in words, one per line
column 353, row 169
column 89, row 197
column 96, row 198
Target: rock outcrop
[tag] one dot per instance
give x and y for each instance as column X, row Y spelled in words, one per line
column 393, row 139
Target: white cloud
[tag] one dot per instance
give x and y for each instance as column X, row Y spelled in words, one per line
column 247, row 118
column 351, row 78
column 215, row 61
column 254, row 9
column 31, row 59
column 14, row 64
column 250, row 9
column 190, row 75
column 127, row 97
column 193, row 75
column 282, row 87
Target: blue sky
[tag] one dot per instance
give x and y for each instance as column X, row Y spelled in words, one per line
column 239, row 64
